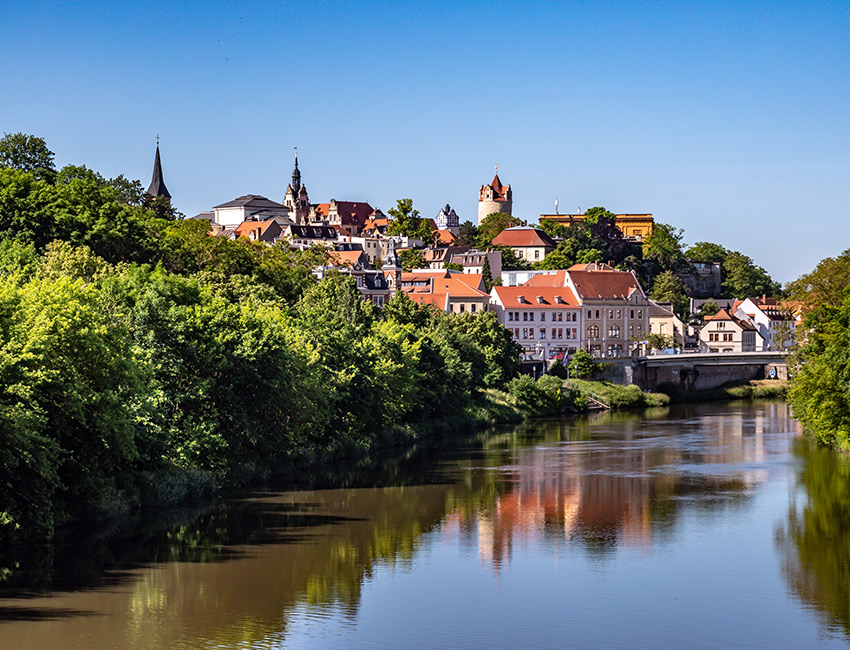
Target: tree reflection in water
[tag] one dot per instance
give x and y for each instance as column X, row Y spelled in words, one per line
column 815, row 543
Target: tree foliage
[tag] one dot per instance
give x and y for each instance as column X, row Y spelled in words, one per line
column 492, row 225
column 27, row 153
column 669, row 288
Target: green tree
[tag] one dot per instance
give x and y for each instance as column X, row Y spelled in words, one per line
column 660, row 341
column 664, row 246
column 492, row 225
column 411, row 258
column 467, row 234
column 27, row 153
column 709, row 308
column 510, row 261
column 669, row 288
column 406, row 222
column 487, row 275
column 825, row 285
column 743, row 278
column 706, row 252
column 581, row 364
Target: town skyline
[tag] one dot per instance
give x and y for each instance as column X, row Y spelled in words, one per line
column 727, row 122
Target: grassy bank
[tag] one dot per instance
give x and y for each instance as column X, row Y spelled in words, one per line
column 757, row 389
column 617, row 397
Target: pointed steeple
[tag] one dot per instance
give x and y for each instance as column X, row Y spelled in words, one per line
column 157, row 187
column 296, row 175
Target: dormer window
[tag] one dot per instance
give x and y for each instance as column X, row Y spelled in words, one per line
column 539, row 300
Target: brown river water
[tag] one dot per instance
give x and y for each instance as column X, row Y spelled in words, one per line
column 709, row 526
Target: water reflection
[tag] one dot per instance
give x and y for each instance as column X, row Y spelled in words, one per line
column 233, row 575
column 815, row 542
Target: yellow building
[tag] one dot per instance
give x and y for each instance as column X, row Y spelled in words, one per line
column 637, row 226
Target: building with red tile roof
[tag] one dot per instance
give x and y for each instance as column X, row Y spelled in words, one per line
column 545, row 321
column 267, row 231
column 348, row 217
column 614, row 306
column 723, row 332
column 528, row 243
column 451, row 291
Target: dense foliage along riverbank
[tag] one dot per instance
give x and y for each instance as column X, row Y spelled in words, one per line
column 143, row 361
column 820, row 391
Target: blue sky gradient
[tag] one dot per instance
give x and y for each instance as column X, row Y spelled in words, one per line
column 728, row 120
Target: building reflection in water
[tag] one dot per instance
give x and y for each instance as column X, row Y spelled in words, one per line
column 622, row 491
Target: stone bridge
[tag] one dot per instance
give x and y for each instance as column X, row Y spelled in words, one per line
column 695, row 371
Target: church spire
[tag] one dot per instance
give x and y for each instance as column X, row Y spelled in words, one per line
column 157, row 187
column 296, row 175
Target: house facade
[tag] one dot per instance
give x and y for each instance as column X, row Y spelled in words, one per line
column 724, row 332
column 614, row 307
column 527, row 243
column 545, row 321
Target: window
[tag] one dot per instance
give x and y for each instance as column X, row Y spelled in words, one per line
column 537, row 254
column 525, row 315
column 639, row 330
column 462, row 307
column 542, row 332
column 597, row 314
column 472, row 308
column 531, row 332
column 589, row 314
column 619, row 313
column 610, row 313
column 525, row 332
column 721, row 326
column 542, row 316
column 631, row 313
column 640, row 313
column 712, row 336
column 614, row 332
column 510, row 315
column 593, row 332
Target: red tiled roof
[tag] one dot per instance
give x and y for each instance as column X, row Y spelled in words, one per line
column 724, row 315
column 520, row 236
column 245, row 228
column 350, row 212
column 457, row 285
column 557, row 279
column 536, row 297
column 348, row 258
column 604, row 285
column 445, row 237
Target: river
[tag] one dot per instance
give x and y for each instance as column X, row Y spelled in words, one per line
column 709, row 526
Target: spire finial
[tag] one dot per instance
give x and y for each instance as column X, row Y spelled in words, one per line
column 497, row 168
column 157, row 140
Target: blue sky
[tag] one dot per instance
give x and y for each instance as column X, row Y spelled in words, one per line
column 728, row 120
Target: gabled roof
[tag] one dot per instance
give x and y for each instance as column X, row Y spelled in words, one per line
column 445, row 237
column 252, row 201
column 350, row 212
column 349, row 258
column 457, row 285
column 556, row 279
column 724, row 315
column 245, row 228
column 311, row 231
column 536, row 297
column 520, row 236
column 604, row 284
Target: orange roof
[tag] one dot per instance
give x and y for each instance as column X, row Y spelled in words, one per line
column 346, row 258
column 457, row 285
column 726, row 316
column 604, row 284
column 556, row 279
column 445, row 237
column 246, row 227
column 520, row 236
column 536, row 297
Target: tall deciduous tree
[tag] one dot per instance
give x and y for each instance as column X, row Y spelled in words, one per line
column 669, row 288
column 493, row 224
column 407, row 222
column 27, row 153
column 743, row 278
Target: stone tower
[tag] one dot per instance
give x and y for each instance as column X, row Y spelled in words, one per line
column 296, row 199
column 494, row 197
column 157, row 187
